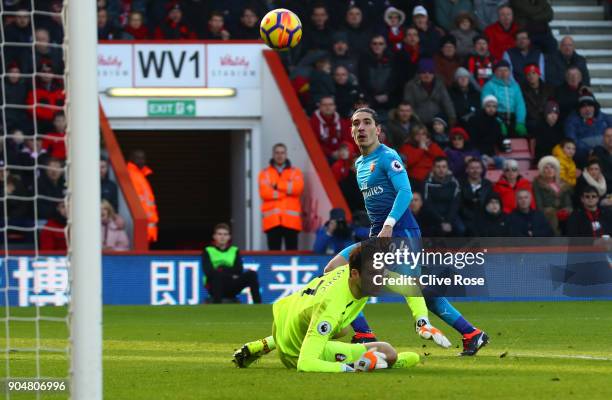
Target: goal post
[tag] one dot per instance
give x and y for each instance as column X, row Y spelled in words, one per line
column 84, row 191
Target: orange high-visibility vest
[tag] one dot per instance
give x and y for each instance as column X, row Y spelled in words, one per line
column 281, row 193
column 146, row 196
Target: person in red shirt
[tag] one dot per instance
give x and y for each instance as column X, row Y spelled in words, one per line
column 135, row 28
column 54, row 142
column 420, row 152
column 47, row 97
column 53, row 235
column 329, row 128
column 342, row 167
column 501, row 33
column 173, row 28
column 509, row 184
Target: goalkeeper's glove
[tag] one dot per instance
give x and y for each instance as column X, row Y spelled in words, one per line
column 429, row 332
column 371, row 360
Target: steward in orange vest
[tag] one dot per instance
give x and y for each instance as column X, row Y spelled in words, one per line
column 280, row 188
column 138, row 174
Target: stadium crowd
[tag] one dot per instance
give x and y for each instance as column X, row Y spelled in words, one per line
column 495, row 120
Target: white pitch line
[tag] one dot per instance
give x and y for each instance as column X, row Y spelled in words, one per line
column 567, row 356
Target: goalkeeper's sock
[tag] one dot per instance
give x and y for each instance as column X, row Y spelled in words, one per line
column 449, row 314
column 269, row 344
column 360, row 324
column 418, row 307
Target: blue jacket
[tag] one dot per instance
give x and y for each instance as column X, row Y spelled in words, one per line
column 325, row 244
column 586, row 136
column 509, row 97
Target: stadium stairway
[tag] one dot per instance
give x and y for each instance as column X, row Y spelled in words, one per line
column 584, row 21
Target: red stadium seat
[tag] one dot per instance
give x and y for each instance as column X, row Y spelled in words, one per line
column 494, row 174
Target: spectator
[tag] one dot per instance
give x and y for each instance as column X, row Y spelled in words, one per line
column 564, row 153
column 342, row 166
column 586, row 126
column 511, row 105
column 48, row 95
column 568, row 93
column 51, row 188
column 15, row 93
column 501, row 33
column 421, row 215
column 108, row 188
column 509, row 184
column 341, row 55
column 446, row 61
column 106, row 27
column 356, row 30
column 592, row 176
column 54, row 142
column 53, row 234
column 589, row 219
column 488, row 132
column 475, row 190
column 465, row 96
column 114, row 237
column 280, row 188
column 486, row 11
column 420, row 152
column 335, row 235
column 603, row 152
column 535, row 16
column 330, row 128
column 248, row 29
column 394, row 30
column 53, row 23
column 428, row 95
column 491, row 221
column 522, row 55
column 318, row 35
column 459, row 153
column 376, row 74
column 441, row 199
column 222, row 265
column 439, row 131
column 465, row 32
column 321, row 81
column 19, row 212
column 173, row 27
column 31, row 154
column 44, row 50
column 525, row 221
column 345, row 169
column 400, row 122
column 537, row 94
column 345, row 90
column 480, row 63
column 406, row 60
column 139, row 175
column 429, row 36
column 215, row 29
column 448, row 10
column 548, row 131
column 119, row 10
column 553, row 196
column 20, row 31
column 560, row 60
column 136, row 29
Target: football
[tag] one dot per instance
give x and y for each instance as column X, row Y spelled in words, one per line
column 281, row 29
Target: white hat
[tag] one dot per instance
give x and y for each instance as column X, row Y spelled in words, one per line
column 488, row 99
column 393, row 10
column 549, row 160
column 419, row 10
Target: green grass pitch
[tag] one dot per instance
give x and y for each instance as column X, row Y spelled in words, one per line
column 543, row 350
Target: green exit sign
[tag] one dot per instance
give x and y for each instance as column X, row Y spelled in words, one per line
column 171, row 108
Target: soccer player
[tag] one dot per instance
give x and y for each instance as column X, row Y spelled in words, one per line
column 306, row 322
column 383, row 180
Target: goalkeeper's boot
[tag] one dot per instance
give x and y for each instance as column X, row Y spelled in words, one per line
column 363, row 337
column 472, row 342
column 250, row 352
column 429, row 332
column 406, row 359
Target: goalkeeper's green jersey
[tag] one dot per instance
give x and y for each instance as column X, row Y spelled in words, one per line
column 306, row 320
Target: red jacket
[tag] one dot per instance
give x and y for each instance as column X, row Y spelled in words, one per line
column 418, row 161
column 55, row 144
column 330, row 131
column 53, row 239
column 46, row 94
column 507, row 193
column 500, row 40
column 341, row 169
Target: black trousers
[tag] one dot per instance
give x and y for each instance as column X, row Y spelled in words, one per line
column 227, row 286
column 276, row 236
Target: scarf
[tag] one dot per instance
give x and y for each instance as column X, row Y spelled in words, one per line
column 599, row 185
column 328, row 128
column 593, row 217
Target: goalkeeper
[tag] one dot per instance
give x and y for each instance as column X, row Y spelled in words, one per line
column 306, row 322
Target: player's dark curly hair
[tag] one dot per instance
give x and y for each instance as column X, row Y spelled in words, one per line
column 368, row 110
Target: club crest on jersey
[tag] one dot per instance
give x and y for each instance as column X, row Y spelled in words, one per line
column 396, row 166
column 340, row 357
column 372, row 166
column 324, row 328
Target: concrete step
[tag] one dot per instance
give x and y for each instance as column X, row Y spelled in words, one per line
column 604, row 99
column 577, row 12
column 573, row 27
column 600, row 70
column 596, row 55
column 588, row 41
column 574, row 2
column 607, row 110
